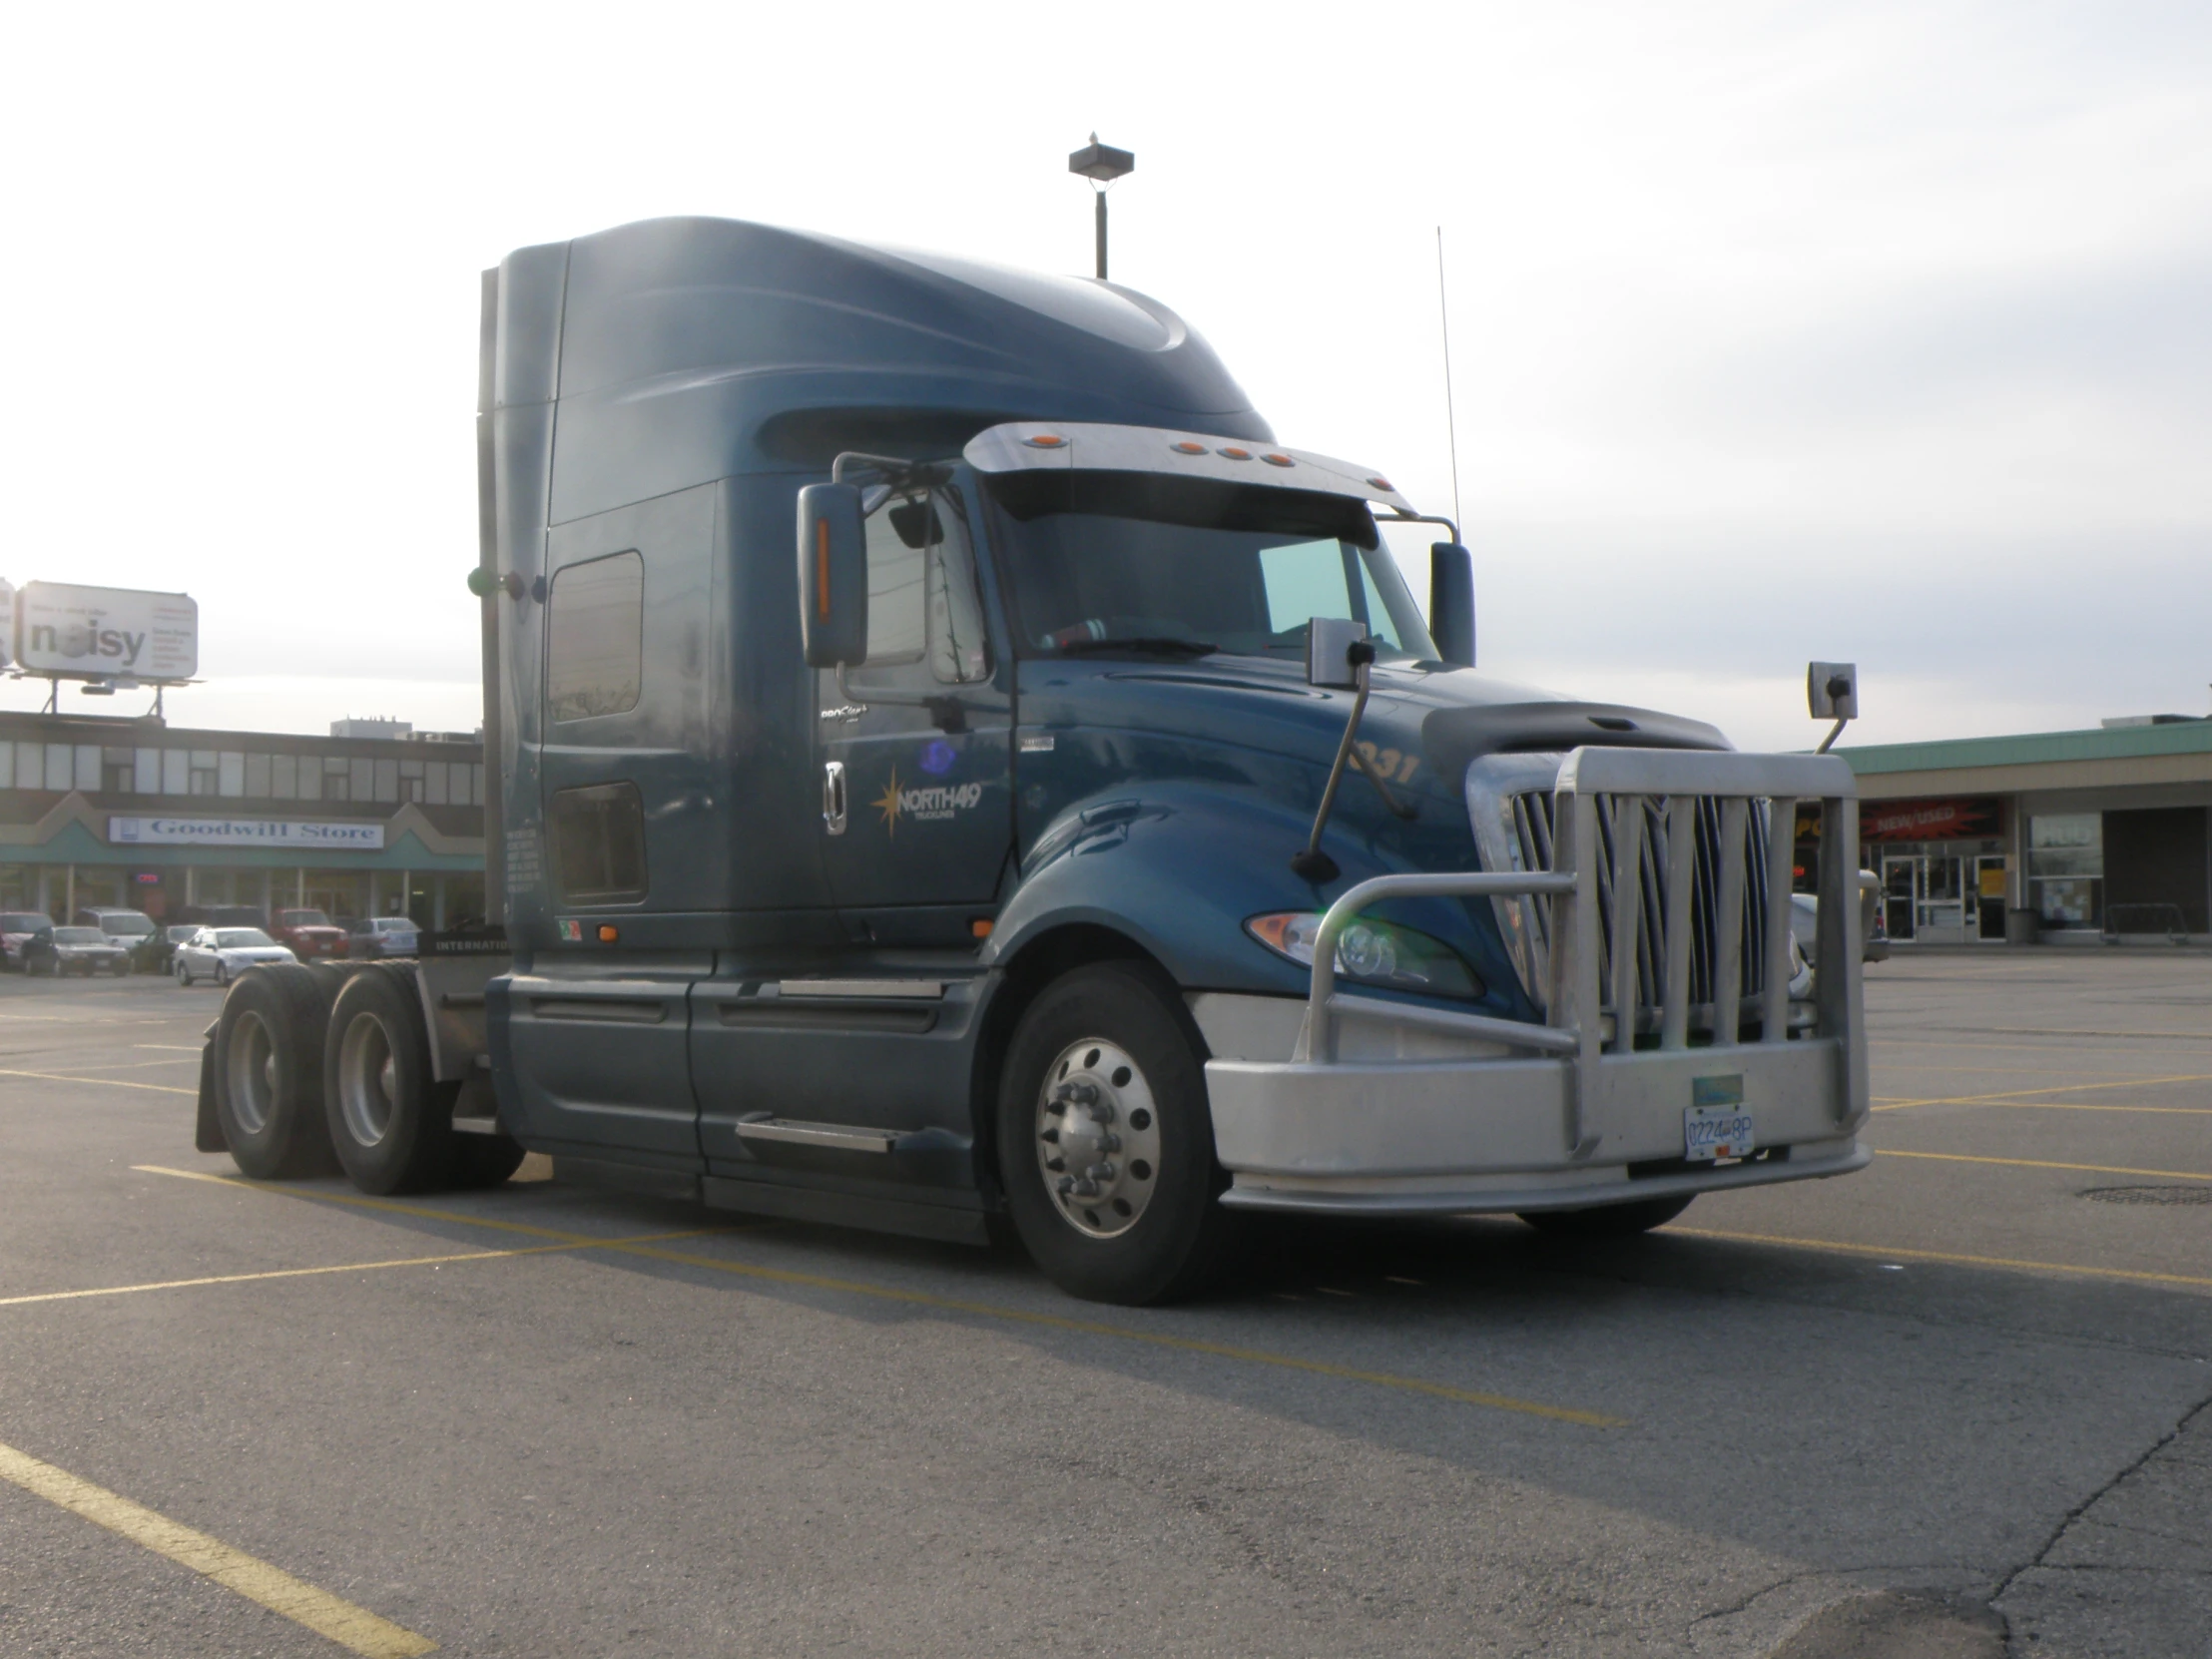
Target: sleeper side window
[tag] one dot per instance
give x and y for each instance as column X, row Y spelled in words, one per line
column 595, row 638
column 922, row 601
column 598, row 834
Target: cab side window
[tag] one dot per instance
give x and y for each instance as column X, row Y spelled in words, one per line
column 595, row 638
column 922, row 593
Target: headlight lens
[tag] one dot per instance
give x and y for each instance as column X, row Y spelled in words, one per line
column 1373, row 953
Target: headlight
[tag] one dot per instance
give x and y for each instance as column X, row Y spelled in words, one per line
column 1373, row 953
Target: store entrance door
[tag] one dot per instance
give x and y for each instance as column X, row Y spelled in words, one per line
column 1946, row 908
column 1901, row 895
column 1988, row 898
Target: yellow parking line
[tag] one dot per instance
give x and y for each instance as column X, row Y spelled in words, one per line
column 2079, row 1106
column 1893, row 1252
column 143, row 1065
column 354, row 1628
column 109, row 1082
column 343, row 1266
column 1950, row 1046
column 2038, row 1163
column 954, row 1305
column 2066, row 1088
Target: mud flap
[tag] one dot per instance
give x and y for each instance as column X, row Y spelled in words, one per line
column 207, row 1135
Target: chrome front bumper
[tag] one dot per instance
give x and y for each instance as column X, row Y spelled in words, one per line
column 1440, row 1112
column 1446, row 1137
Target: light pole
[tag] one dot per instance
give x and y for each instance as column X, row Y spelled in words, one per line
column 1102, row 164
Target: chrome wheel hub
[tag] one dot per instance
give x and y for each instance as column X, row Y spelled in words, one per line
column 1098, row 1138
column 252, row 1067
column 367, row 1081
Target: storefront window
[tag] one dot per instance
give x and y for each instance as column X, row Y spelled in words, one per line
column 2065, row 867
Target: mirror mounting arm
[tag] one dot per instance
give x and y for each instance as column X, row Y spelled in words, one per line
column 1310, row 863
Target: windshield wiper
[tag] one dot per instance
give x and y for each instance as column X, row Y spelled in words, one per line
column 1160, row 644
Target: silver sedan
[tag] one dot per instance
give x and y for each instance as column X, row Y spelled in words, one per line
column 222, row 954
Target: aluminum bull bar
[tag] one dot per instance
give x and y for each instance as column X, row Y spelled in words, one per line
column 1602, row 880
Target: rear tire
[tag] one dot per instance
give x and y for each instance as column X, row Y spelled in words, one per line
column 1607, row 1221
column 1153, row 1229
column 390, row 1123
column 269, row 1075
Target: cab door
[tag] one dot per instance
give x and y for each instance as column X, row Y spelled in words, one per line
column 917, row 799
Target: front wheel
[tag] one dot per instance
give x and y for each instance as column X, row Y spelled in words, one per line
column 222, row 972
column 1607, row 1221
column 1105, row 1142
column 184, row 973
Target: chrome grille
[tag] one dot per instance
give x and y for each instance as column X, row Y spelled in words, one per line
column 1514, row 808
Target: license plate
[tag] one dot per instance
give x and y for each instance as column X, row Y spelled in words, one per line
column 1710, row 1132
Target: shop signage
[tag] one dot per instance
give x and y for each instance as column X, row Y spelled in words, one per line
column 75, row 631
column 245, row 832
column 1969, row 819
column 1927, row 821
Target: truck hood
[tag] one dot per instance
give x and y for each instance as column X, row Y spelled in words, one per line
column 1434, row 719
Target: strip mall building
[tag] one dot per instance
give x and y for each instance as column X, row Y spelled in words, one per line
column 136, row 814
column 2053, row 838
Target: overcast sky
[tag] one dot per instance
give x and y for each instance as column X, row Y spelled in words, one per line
column 1876, row 332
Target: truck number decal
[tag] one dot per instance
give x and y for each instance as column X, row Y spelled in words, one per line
column 1389, row 764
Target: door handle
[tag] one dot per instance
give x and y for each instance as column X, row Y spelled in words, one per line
column 833, row 797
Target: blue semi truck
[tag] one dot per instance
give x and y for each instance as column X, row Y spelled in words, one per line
column 956, row 771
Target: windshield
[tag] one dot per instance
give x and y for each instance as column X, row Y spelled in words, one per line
column 233, row 938
column 305, row 918
column 1166, row 563
column 78, row 935
column 23, row 922
column 133, row 922
column 177, row 935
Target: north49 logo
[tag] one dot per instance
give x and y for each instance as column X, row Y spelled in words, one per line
column 930, row 804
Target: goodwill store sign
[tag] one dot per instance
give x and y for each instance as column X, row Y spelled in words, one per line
column 244, row 832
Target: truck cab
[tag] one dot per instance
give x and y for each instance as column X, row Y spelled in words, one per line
column 956, row 766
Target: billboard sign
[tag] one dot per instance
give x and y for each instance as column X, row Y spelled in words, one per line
column 245, row 832
column 79, row 633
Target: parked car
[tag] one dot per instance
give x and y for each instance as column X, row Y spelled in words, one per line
column 308, row 933
column 125, row 928
column 223, row 915
column 374, row 938
column 84, row 950
column 17, row 929
column 1805, row 925
column 222, row 954
column 158, row 950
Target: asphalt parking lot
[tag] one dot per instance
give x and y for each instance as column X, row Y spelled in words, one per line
column 1953, row 1405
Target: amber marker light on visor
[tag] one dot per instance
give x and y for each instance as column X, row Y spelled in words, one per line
column 607, row 933
column 981, row 926
column 1278, row 460
column 1044, row 440
column 1233, row 453
column 1186, row 447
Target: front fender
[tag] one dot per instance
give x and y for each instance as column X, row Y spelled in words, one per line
column 1178, row 867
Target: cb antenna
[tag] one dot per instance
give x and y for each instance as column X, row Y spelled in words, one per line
column 1451, row 424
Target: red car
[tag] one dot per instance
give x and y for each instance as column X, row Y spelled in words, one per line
column 309, row 933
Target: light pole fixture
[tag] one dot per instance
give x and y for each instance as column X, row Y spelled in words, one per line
column 1102, row 164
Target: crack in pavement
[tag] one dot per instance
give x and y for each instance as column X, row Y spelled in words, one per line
column 2037, row 1562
